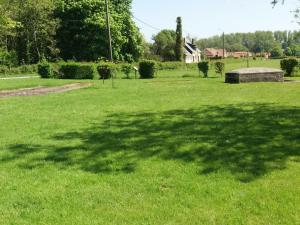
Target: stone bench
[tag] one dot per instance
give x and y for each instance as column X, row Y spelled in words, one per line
column 254, row 75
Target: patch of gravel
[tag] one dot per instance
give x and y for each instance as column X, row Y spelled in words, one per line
column 42, row 90
column 15, row 78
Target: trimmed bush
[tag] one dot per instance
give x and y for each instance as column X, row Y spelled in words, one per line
column 219, row 68
column 204, row 68
column 106, row 70
column 77, row 71
column 127, row 69
column 44, row 70
column 147, row 69
column 288, row 65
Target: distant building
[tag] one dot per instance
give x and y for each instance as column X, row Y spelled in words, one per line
column 214, row 53
column 265, row 55
column 239, row 54
column 192, row 53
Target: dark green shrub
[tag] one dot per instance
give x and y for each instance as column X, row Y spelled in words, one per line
column 106, row 70
column 127, row 69
column 77, row 71
column 288, row 65
column 219, row 68
column 147, row 69
column 44, row 70
column 204, row 68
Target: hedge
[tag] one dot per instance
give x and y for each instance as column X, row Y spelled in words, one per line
column 289, row 65
column 45, row 70
column 204, row 68
column 147, row 69
column 77, row 71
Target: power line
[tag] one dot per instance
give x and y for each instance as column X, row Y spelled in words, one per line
column 156, row 28
column 147, row 24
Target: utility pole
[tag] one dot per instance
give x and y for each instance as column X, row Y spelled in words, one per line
column 109, row 38
column 223, row 45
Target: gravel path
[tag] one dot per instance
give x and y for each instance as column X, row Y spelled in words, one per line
column 14, row 78
column 42, row 90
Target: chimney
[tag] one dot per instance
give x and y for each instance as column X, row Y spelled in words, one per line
column 193, row 41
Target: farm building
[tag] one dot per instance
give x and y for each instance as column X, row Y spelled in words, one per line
column 214, row 53
column 192, row 53
column 239, row 54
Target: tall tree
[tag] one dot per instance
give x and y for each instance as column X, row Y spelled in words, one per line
column 30, row 29
column 82, row 33
column 179, row 40
column 164, row 45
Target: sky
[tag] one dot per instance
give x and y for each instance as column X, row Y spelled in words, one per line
column 205, row 18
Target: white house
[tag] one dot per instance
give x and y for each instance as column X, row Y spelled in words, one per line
column 192, row 53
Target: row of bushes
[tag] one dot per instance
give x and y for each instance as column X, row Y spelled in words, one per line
column 204, row 67
column 147, row 69
column 82, row 70
column 25, row 69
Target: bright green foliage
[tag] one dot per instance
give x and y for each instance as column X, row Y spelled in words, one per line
column 204, row 68
column 7, row 58
column 20, row 70
column 127, row 69
column 277, row 51
column 83, row 35
column 295, row 49
column 77, row 71
column 164, row 45
column 289, row 65
column 179, row 41
column 36, row 35
column 219, row 68
column 68, row 29
column 147, row 69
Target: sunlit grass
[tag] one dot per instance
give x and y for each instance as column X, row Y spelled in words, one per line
column 162, row 151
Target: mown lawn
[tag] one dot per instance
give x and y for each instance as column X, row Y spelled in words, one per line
column 161, row 151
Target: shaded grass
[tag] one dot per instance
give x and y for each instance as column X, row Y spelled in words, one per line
column 163, row 151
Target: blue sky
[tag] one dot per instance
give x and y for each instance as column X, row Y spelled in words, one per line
column 205, row 18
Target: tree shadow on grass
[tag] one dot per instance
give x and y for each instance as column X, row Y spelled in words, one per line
column 247, row 140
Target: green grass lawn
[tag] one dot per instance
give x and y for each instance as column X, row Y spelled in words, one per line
column 161, row 151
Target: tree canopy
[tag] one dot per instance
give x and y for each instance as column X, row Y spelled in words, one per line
column 164, row 45
column 67, row 29
column 260, row 41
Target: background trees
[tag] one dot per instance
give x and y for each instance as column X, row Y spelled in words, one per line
column 164, row 45
column 257, row 42
column 82, row 31
column 67, row 29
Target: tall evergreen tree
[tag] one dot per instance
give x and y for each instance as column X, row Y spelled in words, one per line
column 179, row 40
